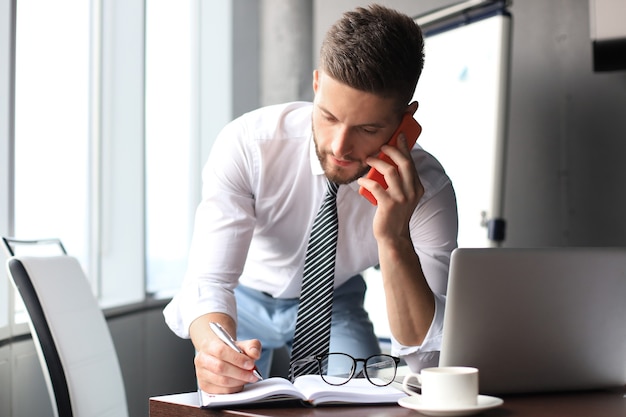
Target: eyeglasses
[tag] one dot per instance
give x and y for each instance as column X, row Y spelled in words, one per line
column 339, row 368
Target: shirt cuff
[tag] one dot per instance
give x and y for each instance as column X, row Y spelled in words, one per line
column 188, row 305
column 426, row 355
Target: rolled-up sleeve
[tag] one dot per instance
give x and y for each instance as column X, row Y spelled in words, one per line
column 427, row 354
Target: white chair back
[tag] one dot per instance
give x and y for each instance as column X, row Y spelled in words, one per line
column 71, row 335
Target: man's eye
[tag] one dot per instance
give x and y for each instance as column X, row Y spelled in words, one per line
column 326, row 115
column 369, row 131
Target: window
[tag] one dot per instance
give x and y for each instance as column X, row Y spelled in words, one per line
column 170, row 169
column 52, row 124
column 106, row 153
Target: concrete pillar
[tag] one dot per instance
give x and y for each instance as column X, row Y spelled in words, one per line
column 286, row 51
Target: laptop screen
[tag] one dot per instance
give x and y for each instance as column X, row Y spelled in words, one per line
column 535, row 320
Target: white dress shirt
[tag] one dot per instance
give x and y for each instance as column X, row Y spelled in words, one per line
column 262, row 187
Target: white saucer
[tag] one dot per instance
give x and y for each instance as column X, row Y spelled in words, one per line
column 484, row 402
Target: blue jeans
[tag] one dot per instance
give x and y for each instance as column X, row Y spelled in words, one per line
column 273, row 321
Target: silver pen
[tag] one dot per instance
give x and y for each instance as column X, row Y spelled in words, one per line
column 227, row 339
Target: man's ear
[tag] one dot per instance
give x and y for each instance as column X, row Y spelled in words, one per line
column 412, row 108
column 316, row 80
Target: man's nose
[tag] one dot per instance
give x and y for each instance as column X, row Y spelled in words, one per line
column 342, row 142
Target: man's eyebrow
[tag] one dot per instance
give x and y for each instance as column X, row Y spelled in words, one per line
column 376, row 125
column 373, row 124
column 325, row 111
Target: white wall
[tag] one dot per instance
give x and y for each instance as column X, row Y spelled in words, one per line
column 567, row 133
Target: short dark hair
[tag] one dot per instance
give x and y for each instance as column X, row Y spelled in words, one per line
column 377, row 50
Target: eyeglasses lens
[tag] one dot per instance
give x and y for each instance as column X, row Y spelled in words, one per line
column 337, row 368
column 381, row 369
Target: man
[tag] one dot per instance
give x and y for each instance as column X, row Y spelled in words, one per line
column 264, row 183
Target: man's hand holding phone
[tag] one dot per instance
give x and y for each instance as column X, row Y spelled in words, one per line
column 411, row 130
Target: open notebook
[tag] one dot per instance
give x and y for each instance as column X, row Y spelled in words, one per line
column 308, row 389
column 537, row 320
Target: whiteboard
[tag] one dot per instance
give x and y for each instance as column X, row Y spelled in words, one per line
column 462, row 97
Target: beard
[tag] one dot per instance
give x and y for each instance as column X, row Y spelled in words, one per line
column 336, row 173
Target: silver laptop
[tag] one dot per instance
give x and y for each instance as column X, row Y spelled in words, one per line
column 534, row 320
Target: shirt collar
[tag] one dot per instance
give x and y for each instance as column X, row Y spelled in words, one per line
column 316, row 166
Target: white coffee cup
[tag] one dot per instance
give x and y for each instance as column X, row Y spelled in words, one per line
column 449, row 386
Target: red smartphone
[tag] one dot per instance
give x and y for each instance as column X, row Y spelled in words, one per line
column 411, row 130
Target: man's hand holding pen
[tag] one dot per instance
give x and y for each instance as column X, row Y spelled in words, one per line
column 223, row 366
column 230, row 342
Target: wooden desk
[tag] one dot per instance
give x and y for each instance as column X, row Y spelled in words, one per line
column 587, row 404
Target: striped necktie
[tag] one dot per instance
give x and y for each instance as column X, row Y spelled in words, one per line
column 312, row 334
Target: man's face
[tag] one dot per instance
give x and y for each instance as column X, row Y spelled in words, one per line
column 349, row 125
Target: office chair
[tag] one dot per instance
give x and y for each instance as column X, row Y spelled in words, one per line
column 71, row 336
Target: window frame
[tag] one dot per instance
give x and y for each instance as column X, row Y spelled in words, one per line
column 7, row 130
